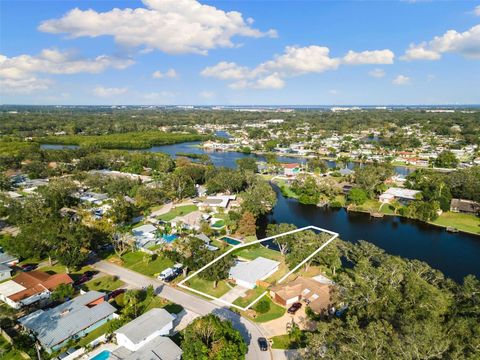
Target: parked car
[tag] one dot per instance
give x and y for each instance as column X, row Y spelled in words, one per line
column 169, row 274
column 28, row 267
column 263, row 344
column 113, row 294
column 84, row 278
column 294, row 308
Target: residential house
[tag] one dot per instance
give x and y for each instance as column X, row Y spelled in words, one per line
column 7, row 259
column 247, row 274
column 217, row 202
column 316, row 294
column 29, row 287
column 290, row 170
column 160, row 348
column 400, row 194
column 465, row 206
column 140, row 331
column 55, row 327
column 92, row 197
column 145, row 235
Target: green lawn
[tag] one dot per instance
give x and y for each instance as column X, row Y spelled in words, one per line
column 254, row 251
column 61, row 269
column 463, row 222
column 178, row 211
column 285, row 189
column 142, row 262
column 283, row 342
column 7, row 352
column 251, row 295
column 93, row 335
column 206, row 286
column 275, row 312
column 219, row 224
column 104, row 283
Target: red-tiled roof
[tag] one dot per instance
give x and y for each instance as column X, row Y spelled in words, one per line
column 36, row 282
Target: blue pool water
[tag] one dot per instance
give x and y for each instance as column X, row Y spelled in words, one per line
column 104, row 355
column 169, row 238
column 230, row 240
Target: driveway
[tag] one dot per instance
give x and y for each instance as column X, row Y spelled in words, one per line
column 249, row 330
column 234, row 293
column 279, row 326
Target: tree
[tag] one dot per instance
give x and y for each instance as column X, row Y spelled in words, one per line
column 219, row 270
column 247, row 224
column 122, row 211
column 307, row 189
column 371, row 176
column 62, row 292
column 259, row 198
column 122, row 243
column 263, row 306
column 247, row 164
column 446, row 159
column 357, row 196
column 209, row 337
column 285, row 241
column 317, row 165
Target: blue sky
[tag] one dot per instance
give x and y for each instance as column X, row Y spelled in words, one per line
column 239, row 52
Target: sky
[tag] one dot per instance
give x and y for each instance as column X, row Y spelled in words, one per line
column 242, row 52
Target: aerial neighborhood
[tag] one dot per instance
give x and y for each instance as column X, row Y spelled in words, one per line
column 115, row 253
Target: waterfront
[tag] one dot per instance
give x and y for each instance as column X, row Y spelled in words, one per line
column 456, row 255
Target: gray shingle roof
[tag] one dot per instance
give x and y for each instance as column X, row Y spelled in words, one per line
column 146, row 324
column 60, row 323
column 253, row 270
column 6, row 257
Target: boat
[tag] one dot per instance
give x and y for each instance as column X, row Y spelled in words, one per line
column 452, row 229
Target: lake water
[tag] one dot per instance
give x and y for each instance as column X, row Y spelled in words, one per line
column 456, row 255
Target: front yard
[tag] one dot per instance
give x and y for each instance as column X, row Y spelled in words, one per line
column 150, row 265
column 249, row 296
column 206, row 286
column 104, row 283
column 178, row 211
column 275, row 312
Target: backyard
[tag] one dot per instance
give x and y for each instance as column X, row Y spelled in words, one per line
column 7, row 352
column 104, row 283
column 178, row 211
column 463, row 222
column 254, row 251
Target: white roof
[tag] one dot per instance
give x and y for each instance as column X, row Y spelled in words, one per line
column 402, row 193
column 10, row 287
column 219, row 200
column 253, row 270
column 148, row 228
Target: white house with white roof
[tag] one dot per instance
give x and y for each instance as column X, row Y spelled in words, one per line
column 401, row 194
column 247, row 274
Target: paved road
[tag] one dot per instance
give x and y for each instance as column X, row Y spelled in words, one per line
column 248, row 329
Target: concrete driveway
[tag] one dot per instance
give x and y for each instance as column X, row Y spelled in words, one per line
column 234, row 293
column 279, row 326
column 249, row 330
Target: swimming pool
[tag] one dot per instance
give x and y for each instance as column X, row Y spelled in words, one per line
column 104, row 355
column 230, row 241
column 169, row 238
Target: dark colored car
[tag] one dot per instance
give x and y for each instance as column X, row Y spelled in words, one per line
column 84, row 278
column 28, row 267
column 294, row 308
column 115, row 293
column 263, row 343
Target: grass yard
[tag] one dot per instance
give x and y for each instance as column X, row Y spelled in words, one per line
column 93, row 335
column 104, row 283
column 178, row 211
column 285, row 189
column 249, row 296
column 61, row 269
column 283, row 342
column 7, row 352
column 275, row 312
column 142, row 262
column 463, row 222
column 254, row 251
column 206, row 286
column 277, row 275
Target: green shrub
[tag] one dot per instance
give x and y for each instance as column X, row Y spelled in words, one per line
column 263, row 306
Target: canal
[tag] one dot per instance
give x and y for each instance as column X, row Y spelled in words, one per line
column 456, row 255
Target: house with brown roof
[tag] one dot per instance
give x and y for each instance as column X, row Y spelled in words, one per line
column 465, row 206
column 30, row 287
column 316, row 294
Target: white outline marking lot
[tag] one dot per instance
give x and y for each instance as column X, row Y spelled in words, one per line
column 234, row 248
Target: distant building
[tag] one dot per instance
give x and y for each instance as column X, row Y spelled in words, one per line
column 7, row 259
column 217, row 202
column 247, row 274
column 465, row 206
column 291, row 169
column 5, row 272
column 30, row 287
column 71, row 320
column 400, row 194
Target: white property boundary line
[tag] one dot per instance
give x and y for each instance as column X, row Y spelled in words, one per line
column 234, row 248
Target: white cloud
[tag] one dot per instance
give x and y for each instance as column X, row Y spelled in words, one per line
column 466, row 44
column 377, row 73
column 207, row 94
column 294, row 61
column 401, row 80
column 333, row 92
column 18, row 73
column 477, row 10
column 369, row 57
column 106, row 92
column 171, row 26
column 170, row 73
